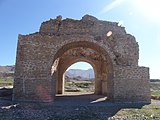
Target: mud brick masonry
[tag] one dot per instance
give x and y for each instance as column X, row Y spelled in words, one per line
column 43, row 57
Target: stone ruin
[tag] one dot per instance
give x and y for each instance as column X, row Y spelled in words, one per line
column 44, row 56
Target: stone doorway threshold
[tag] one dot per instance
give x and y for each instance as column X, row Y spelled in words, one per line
column 80, row 99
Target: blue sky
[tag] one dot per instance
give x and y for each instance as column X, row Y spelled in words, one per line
column 139, row 17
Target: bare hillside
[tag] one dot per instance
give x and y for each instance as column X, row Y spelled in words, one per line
column 7, row 69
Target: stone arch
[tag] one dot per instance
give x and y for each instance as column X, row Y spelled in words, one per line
column 86, row 42
column 103, row 66
column 60, row 87
column 39, row 56
column 100, row 48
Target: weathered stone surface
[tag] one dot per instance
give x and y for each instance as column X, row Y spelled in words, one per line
column 43, row 57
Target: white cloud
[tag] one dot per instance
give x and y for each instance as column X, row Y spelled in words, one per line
column 111, row 6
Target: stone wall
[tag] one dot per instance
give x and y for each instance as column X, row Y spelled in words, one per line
column 131, row 84
column 41, row 58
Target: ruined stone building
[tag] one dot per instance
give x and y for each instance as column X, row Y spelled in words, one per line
column 44, row 56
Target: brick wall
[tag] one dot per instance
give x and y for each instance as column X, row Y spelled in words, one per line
column 117, row 69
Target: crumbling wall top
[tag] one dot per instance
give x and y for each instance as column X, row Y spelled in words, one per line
column 87, row 25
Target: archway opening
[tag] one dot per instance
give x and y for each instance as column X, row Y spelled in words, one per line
column 79, row 78
column 91, row 53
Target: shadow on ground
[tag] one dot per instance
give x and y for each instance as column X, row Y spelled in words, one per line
column 67, row 106
column 95, row 101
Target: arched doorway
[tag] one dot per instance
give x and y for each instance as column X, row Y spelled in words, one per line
column 43, row 57
column 79, row 78
column 87, row 52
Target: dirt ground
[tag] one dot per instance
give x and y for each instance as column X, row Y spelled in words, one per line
column 71, row 106
column 77, row 106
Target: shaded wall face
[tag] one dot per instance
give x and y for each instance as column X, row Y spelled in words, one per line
column 39, row 68
column 32, row 76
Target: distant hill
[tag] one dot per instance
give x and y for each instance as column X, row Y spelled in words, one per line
column 80, row 74
column 154, row 80
column 76, row 74
column 7, row 69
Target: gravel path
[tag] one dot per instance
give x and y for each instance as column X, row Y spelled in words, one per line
column 66, row 107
